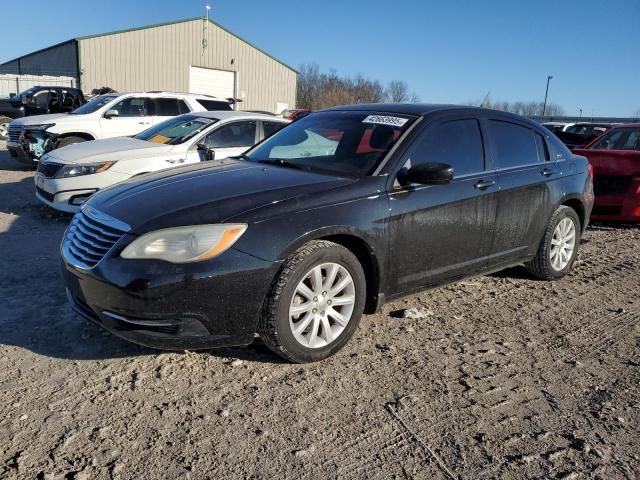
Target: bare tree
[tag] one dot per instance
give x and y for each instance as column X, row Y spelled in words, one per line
column 397, row 91
column 318, row 90
column 524, row 108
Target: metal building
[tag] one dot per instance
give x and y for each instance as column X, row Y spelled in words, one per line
column 194, row 55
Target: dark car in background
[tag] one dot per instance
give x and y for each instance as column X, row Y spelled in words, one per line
column 38, row 101
column 298, row 237
column 615, row 157
column 580, row 134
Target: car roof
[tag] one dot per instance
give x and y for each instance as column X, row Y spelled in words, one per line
column 626, row 125
column 228, row 115
column 159, row 94
column 422, row 109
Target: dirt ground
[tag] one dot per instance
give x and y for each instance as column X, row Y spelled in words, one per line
column 505, row 377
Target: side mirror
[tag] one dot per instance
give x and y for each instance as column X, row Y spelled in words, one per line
column 111, row 113
column 428, row 174
column 206, row 152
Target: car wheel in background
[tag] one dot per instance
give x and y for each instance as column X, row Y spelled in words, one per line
column 559, row 246
column 4, row 127
column 315, row 303
column 63, row 142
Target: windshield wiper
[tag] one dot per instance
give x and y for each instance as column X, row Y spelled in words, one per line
column 280, row 162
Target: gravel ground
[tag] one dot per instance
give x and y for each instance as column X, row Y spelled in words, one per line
column 496, row 377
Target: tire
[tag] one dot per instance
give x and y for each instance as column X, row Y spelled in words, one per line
column 4, row 127
column 547, row 266
column 276, row 325
column 63, row 142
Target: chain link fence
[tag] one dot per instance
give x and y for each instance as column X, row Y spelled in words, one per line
column 13, row 84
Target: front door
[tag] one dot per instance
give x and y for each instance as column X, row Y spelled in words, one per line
column 134, row 116
column 232, row 138
column 442, row 232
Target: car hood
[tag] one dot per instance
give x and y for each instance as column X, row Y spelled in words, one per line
column 206, row 193
column 108, row 150
column 39, row 119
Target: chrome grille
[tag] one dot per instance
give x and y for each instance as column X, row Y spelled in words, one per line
column 90, row 236
column 14, row 133
column 49, row 170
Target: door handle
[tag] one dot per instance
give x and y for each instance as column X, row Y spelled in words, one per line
column 547, row 172
column 484, row 184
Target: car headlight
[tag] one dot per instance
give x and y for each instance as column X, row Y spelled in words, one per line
column 41, row 127
column 185, row 244
column 86, row 169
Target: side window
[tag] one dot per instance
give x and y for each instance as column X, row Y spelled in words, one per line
column 515, row 145
column 271, row 127
column 458, row 143
column 543, row 150
column 559, row 150
column 167, row 107
column 238, row 134
column 41, row 98
column 184, row 108
column 132, row 107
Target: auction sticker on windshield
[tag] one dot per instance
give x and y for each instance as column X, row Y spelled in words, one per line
column 385, row 120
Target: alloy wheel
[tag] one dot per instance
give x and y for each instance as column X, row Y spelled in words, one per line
column 563, row 244
column 322, row 305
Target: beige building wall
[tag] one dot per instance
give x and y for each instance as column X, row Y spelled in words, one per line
column 159, row 57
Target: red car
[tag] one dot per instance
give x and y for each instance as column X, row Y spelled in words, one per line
column 615, row 158
column 294, row 115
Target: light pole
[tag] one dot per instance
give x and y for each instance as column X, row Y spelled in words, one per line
column 546, row 93
column 581, row 113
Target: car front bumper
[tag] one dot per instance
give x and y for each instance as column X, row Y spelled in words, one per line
column 68, row 194
column 174, row 307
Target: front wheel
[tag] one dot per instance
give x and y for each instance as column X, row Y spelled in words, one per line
column 559, row 246
column 315, row 303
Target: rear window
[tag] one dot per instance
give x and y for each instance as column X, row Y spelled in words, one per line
column 214, row 105
column 515, row 145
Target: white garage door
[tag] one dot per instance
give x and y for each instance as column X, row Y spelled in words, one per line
column 209, row 81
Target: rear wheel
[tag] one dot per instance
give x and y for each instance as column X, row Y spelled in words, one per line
column 315, row 303
column 4, row 127
column 559, row 246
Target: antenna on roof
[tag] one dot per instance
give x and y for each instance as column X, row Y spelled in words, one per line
column 485, row 98
column 205, row 27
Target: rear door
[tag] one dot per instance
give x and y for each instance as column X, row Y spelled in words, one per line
column 525, row 176
column 269, row 128
column 166, row 108
column 443, row 232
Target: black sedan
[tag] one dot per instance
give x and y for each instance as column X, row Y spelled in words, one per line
column 328, row 218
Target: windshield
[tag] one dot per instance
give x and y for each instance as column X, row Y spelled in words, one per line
column 176, row 130
column 93, row 105
column 337, row 143
column 26, row 93
column 619, row 139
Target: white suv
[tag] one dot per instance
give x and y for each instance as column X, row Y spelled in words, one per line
column 66, row 177
column 106, row 116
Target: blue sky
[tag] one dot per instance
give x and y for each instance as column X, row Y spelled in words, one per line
column 447, row 51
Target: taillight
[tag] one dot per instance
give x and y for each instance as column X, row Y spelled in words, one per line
column 590, row 170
